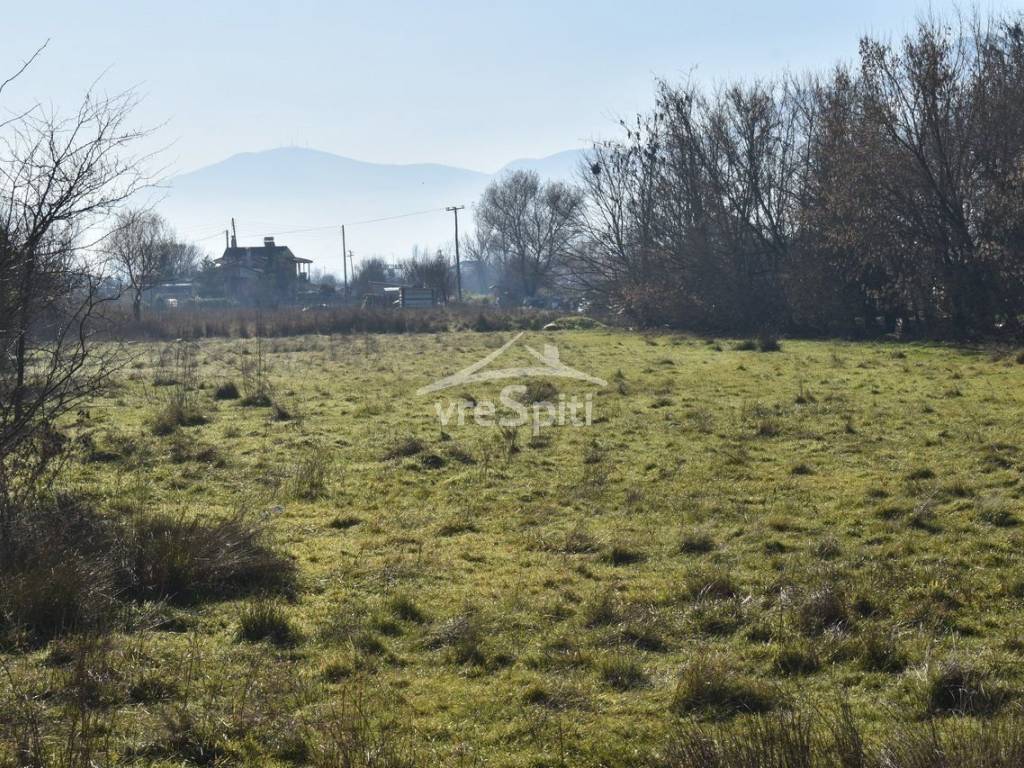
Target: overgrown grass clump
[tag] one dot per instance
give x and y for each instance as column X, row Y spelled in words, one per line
column 710, row 687
column 187, row 559
column 959, row 687
column 175, row 414
column 833, row 738
column 267, row 620
column 72, row 569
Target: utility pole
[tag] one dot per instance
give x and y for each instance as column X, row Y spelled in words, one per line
column 344, row 258
column 458, row 262
column 227, row 241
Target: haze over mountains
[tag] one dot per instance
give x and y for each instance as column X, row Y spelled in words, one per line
column 302, row 196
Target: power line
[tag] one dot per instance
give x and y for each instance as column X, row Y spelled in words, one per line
column 218, row 233
column 399, row 216
column 302, row 230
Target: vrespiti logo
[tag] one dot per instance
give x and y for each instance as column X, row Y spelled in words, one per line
column 563, row 410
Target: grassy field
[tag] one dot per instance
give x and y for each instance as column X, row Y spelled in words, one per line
column 736, row 532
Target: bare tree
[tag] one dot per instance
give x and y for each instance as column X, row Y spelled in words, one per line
column 140, row 247
column 424, row 270
column 181, row 260
column 616, row 261
column 60, row 178
column 528, row 228
column 372, row 270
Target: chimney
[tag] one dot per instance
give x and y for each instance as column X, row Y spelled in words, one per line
column 268, row 242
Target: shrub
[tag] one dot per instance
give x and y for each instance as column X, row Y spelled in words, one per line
column 311, row 475
column 208, row 321
column 226, row 391
column 711, row 687
column 265, row 620
column 768, row 342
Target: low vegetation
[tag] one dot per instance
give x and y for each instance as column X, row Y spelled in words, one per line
column 658, row 589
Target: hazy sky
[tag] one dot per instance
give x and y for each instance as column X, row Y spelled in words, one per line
column 473, row 84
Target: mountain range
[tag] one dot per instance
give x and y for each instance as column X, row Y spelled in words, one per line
column 302, row 196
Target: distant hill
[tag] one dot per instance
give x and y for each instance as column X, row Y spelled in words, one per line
column 563, row 165
column 282, row 191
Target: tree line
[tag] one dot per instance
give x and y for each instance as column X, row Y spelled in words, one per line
column 881, row 196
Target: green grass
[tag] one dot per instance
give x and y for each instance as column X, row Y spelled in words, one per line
column 579, row 595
